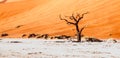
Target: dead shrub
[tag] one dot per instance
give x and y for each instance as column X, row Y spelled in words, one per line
column 15, row 42
column 4, row 35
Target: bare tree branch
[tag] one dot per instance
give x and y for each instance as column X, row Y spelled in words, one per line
column 82, row 28
column 84, row 14
column 73, row 17
column 80, row 17
column 66, row 20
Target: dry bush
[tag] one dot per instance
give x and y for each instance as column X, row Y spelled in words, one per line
column 32, row 35
column 4, row 35
column 89, row 39
column 15, row 42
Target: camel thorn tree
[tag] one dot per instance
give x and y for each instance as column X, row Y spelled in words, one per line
column 74, row 20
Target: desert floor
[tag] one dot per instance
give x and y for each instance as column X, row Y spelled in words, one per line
column 38, row 48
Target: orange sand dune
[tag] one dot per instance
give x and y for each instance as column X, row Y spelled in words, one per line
column 41, row 16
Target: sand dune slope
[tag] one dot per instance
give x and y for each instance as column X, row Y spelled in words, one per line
column 38, row 16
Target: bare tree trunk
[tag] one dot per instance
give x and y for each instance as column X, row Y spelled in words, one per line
column 78, row 33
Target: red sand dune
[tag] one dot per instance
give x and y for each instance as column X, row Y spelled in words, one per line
column 41, row 16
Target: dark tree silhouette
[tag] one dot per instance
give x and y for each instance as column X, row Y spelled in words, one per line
column 74, row 20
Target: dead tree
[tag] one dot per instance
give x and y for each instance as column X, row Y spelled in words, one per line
column 74, row 20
